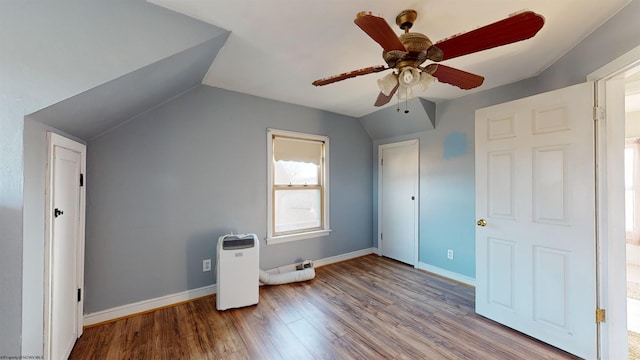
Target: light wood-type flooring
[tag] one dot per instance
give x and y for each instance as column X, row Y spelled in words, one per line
column 365, row 308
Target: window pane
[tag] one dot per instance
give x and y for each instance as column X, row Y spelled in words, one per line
column 295, row 173
column 297, row 210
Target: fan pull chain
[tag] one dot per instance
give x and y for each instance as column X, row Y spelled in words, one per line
column 406, row 110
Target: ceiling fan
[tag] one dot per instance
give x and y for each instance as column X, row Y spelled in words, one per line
column 406, row 54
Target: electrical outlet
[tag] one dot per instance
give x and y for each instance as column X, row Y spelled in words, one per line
column 206, row 265
column 450, row 254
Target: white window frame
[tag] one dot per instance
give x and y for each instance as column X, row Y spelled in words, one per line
column 326, row 229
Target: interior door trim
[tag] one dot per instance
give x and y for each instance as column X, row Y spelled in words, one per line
column 61, row 141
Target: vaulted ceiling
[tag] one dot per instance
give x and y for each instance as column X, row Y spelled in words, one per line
column 69, row 66
column 277, row 48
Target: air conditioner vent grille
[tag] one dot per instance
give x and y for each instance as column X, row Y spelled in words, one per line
column 237, row 244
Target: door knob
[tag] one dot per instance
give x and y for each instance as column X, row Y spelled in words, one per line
column 482, row 222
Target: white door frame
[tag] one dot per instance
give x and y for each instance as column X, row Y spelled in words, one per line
column 610, row 188
column 58, row 140
column 415, row 143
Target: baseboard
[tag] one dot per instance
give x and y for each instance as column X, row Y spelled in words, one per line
column 147, row 305
column 168, row 300
column 343, row 257
column 448, row 274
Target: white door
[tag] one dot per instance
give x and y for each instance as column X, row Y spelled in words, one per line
column 65, row 247
column 398, row 206
column 535, row 204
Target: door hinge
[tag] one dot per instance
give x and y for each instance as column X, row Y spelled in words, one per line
column 79, row 295
column 381, row 162
column 380, row 236
column 81, row 179
column 601, row 316
column 598, row 113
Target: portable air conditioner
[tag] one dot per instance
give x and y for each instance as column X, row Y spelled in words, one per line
column 237, row 271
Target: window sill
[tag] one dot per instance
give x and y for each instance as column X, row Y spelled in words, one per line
column 296, row 237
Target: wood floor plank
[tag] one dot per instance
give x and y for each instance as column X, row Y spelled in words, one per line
column 365, row 308
column 285, row 308
column 321, row 318
column 252, row 330
column 319, row 346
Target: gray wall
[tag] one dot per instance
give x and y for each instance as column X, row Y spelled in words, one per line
column 50, row 51
column 447, row 176
column 163, row 187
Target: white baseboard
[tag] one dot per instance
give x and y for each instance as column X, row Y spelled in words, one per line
column 343, row 257
column 167, row 300
column 448, row 274
column 147, row 305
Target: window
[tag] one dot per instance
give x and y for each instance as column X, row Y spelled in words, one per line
column 298, row 205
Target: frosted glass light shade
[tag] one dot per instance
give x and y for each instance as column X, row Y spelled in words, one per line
column 426, row 80
column 387, row 83
column 409, row 77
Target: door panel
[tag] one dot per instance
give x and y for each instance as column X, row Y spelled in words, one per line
column 398, row 201
column 501, row 281
column 500, row 189
column 550, row 203
column 535, row 258
column 551, row 288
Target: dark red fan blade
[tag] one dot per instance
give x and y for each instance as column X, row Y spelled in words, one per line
column 455, row 77
column 384, row 99
column 515, row 28
column 379, row 30
column 350, row 74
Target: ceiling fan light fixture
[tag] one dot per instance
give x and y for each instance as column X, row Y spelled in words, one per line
column 409, row 77
column 426, row 80
column 406, row 53
column 388, row 83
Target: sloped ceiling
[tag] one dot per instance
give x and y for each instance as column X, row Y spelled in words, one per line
column 277, row 48
column 91, row 113
column 91, row 64
column 414, row 116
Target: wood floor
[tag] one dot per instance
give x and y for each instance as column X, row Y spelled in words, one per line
column 366, row 308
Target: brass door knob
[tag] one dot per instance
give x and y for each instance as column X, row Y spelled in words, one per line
column 482, row 222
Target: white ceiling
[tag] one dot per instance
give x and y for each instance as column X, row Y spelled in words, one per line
column 277, row 48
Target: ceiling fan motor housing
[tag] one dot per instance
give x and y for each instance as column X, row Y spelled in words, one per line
column 417, row 46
